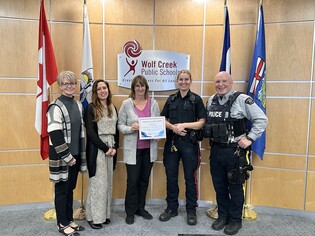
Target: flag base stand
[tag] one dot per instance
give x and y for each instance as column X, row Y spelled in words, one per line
column 212, row 212
column 248, row 213
column 50, row 215
column 79, row 214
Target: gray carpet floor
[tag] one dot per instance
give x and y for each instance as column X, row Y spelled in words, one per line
column 31, row 222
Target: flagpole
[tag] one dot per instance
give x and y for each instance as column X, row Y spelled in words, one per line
column 47, row 74
column 50, row 215
column 213, row 212
column 248, row 212
column 260, row 3
column 79, row 214
column 50, row 89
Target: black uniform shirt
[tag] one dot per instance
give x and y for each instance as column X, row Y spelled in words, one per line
column 180, row 110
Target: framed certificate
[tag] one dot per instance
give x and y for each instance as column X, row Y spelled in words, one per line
column 152, row 128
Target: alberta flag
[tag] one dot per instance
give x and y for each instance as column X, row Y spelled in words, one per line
column 257, row 81
column 47, row 75
column 226, row 52
column 87, row 62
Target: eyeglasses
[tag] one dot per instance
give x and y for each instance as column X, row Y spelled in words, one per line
column 69, row 84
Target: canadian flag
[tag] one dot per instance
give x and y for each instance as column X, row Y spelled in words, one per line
column 47, row 74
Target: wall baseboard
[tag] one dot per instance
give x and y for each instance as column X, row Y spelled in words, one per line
column 162, row 203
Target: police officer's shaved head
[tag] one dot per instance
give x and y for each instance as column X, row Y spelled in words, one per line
column 223, row 83
column 223, row 74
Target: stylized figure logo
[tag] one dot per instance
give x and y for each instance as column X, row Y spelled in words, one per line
column 132, row 66
column 132, row 49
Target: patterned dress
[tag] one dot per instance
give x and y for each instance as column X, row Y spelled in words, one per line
column 99, row 198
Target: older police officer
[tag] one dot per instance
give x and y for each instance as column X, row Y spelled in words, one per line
column 228, row 113
column 185, row 114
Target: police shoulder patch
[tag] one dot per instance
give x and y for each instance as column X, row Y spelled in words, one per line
column 249, row 101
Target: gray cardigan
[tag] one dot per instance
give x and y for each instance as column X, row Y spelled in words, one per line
column 126, row 117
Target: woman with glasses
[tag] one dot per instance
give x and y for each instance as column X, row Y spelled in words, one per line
column 102, row 143
column 66, row 150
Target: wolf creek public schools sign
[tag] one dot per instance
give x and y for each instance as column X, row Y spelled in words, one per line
column 159, row 67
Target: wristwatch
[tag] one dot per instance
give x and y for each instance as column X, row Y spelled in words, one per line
column 250, row 139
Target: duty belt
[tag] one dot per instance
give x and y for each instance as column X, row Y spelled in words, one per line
column 224, row 145
column 176, row 136
column 172, row 135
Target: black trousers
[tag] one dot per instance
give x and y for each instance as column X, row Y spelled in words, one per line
column 230, row 197
column 189, row 154
column 64, row 195
column 137, row 181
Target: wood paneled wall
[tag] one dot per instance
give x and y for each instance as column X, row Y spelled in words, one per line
column 286, row 176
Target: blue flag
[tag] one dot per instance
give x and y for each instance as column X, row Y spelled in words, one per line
column 226, row 52
column 257, row 81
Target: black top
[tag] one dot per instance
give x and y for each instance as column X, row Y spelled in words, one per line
column 187, row 109
column 75, row 120
column 94, row 142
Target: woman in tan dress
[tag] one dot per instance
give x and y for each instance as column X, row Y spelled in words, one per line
column 102, row 144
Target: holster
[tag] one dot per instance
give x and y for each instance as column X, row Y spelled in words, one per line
column 240, row 174
column 237, row 176
column 207, row 131
column 195, row 136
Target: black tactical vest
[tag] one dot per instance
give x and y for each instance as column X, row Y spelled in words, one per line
column 223, row 127
column 185, row 113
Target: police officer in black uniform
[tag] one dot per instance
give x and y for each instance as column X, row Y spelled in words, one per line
column 185, row 115
column 226, row 127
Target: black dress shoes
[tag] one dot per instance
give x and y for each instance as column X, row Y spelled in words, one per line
column 219, row 224
column 145, row 214
column 130, row 219
column 64, row 230
column 167, row 214
column 106, row 222
column 78, row 228
column 191, row 218
column 232, row 228
column 95, row 226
